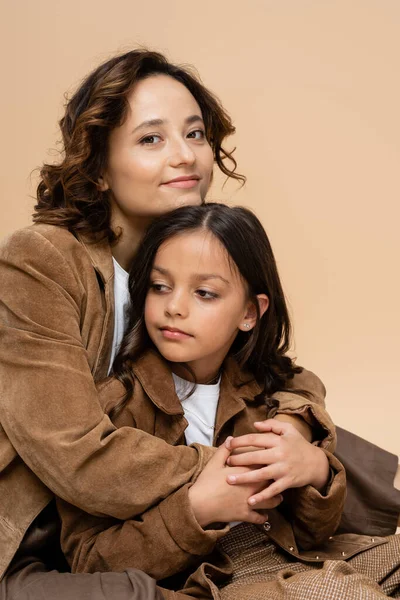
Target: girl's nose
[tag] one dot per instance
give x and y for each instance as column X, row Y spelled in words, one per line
column 176, row 306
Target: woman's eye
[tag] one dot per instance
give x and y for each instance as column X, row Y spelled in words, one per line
column 197, row 134
column 206, row 294
column 150, row 140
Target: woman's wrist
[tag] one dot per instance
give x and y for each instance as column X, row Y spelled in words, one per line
column 199, row 507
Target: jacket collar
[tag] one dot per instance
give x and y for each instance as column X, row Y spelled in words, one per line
column 237, row 386
column 100, row 256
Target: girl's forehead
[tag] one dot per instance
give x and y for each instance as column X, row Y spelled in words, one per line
column 198, row 249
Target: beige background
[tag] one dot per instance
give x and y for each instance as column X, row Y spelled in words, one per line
column 314, row 90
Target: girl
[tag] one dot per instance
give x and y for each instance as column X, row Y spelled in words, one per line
column 140, row 137
column 204, row 357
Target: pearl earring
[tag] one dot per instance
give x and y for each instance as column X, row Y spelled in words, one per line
column 246, row 325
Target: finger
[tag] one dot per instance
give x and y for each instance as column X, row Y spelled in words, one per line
column 255, row 457
column 275, row 489
column 253, row 476
column 272, row 425
column 221, row 456
column 260, row 440
column 268, row 504
column 252, row 516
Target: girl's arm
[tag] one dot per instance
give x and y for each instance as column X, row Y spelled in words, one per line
column 52, row 323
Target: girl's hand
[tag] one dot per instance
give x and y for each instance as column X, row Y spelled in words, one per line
column 213, row 500
column 285, row 456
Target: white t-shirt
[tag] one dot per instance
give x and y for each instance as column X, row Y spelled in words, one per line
column 200, row 410
column 122, row 303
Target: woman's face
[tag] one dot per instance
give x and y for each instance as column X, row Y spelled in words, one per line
column 159, row 158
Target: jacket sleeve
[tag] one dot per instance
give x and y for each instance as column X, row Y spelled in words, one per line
column 163, row 541
column 304, row 397
column 49, row 406
column 314, row 516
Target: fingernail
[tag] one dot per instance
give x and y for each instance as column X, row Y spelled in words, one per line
column 252, row 501
column 231, row 478
column 228, row 441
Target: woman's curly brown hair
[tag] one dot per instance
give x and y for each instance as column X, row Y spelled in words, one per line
column 68, row 192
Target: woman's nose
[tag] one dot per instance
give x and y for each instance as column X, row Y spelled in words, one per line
column 181, row 154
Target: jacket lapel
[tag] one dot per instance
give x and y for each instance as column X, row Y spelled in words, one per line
column 101, row 258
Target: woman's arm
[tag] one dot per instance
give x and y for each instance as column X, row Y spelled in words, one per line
column 51, row 326
column 168, row 537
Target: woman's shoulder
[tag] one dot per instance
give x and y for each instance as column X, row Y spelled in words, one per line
column 40, row 233
column 52, row 246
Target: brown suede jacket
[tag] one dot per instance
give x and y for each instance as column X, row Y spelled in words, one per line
column 56, row 328
column 167, row 539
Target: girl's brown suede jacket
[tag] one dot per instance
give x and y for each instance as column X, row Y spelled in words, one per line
column 166, row 539
column 56, row 327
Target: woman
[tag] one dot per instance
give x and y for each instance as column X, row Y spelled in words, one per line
column 140, row 137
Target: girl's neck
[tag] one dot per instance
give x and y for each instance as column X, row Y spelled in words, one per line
column 206, row 377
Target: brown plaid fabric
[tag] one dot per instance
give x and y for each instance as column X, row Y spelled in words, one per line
column 264, row 572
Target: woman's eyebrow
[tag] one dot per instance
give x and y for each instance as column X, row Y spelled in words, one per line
column 158, row 122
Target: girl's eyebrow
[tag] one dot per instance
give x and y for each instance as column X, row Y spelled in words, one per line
column 197, row 276
column 158, row 122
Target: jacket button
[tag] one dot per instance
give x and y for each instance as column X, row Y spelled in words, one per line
column 372, row 539
column 343, row 553
column 267, row 526
column 291, row 548
column 317, row 557
column 330, row 537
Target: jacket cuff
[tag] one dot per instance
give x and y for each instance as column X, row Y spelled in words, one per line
column 182, row 525
column 313, row 414
column 333, row 490
column 205, row 454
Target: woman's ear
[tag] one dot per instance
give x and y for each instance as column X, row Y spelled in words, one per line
column 102, row 184
column 250, row 317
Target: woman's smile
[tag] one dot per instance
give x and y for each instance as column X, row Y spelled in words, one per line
column 184, row 182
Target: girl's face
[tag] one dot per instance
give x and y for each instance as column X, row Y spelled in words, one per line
column 196, row 304
column 159, row 158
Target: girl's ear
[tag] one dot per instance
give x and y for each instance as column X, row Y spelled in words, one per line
column 250, row 318
column 102, row 184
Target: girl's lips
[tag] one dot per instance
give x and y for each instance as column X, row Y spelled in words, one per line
column 174, row 334
column 182, row 183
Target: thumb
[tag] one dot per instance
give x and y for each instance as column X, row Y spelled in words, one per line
column 221, row 455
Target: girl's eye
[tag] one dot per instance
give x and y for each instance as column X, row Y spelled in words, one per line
column 159, row 288
column 206, row 294
column 149, row 140
column 197, row 134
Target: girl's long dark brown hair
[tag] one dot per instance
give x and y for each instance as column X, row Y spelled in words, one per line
column 68, row 193
column 262, row 351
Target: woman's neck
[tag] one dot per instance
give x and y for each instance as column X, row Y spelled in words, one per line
column 130, row 236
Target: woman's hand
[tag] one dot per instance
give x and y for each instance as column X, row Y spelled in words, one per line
column 284, row 456
column 213, row 500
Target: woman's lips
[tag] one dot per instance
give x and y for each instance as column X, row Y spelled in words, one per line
column 174, row 334
column 184, row 183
